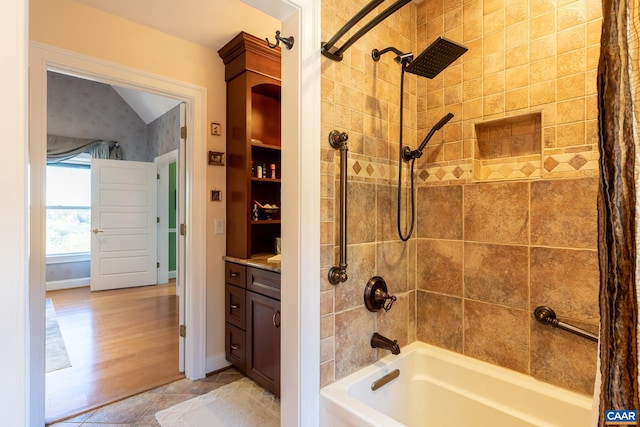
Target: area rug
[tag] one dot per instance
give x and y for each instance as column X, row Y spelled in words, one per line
column 241, row 403
column 56, row 352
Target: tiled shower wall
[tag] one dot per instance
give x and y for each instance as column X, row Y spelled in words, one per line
column 494, row 238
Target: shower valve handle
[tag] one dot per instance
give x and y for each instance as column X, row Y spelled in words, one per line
column 376, row 295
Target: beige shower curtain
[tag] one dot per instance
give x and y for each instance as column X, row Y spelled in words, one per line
column 619, row 113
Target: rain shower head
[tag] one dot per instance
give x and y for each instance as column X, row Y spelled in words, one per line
column 438, row 56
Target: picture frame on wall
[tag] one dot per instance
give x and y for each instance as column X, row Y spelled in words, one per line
column 216, row 158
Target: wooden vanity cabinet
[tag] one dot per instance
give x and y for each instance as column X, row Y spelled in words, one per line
column 252, row 323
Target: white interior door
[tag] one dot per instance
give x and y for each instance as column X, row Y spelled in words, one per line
column 123, row 223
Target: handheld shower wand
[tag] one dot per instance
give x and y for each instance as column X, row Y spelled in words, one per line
column 408, row 154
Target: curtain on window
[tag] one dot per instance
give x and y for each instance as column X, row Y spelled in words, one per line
column 61, row 148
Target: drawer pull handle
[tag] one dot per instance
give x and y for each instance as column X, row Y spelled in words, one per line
column 276, row 319
column 235, row 347
column 234, row 306
column 234, row 274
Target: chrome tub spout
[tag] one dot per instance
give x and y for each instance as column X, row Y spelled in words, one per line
column 378, row 341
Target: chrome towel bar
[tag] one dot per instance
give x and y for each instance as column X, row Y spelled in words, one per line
column 547, row 316
column 381, row 382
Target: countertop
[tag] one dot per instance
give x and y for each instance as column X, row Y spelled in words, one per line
column 258, row 261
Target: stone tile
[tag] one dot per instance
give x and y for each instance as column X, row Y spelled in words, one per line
column 326, row 326
column 392, row 261
column 485, row 335
column 563, row 359
column 411, row 323
column 497, row 213
column 394, row 324
column 125, row 411
column 107, row 425
column 439, row 212
column 327, row 349
column 386, row 220
column 566, row 280
column 186, row 386
column 353, row 336
column 327, row 373
column 361, row 213
column 326, row 302
column 497, row 274
column 439, row 266
column 564, row 213
column 361, row 266
column 165, row 401
column 439, row 320
column 413, row 265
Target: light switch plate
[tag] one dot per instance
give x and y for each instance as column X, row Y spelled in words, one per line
column 219, row 226
column 216, row 129
column 216, row 195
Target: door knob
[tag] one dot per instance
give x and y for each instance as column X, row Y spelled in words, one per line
column 95, row 230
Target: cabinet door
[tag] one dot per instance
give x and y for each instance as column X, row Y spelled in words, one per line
column 263, row 341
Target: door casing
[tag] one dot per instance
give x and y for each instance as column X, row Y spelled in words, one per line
column 45, row 58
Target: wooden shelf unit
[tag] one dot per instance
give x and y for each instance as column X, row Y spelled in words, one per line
column 252, row 73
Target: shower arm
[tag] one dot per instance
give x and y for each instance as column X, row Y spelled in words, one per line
column 328, row 48
column 338, row 141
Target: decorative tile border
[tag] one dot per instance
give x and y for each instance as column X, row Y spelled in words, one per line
column 507, row 171
column 551, row 166
column 564, row 164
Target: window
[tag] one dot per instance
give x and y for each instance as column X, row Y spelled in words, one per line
column 68, row 208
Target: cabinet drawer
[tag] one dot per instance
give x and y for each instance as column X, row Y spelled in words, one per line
column 235, row 306
column 234, row 344
column 235, row 274
column 264, row 282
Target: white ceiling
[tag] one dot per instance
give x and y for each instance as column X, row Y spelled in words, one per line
column 210, row 23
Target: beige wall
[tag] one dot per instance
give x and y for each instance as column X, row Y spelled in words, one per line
column 72, row 26
column 500, row 230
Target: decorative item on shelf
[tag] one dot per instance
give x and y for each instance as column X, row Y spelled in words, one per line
column 273, row 171
column 216, row 158
column 259, row 171
column 254, row 212
column 265, row 211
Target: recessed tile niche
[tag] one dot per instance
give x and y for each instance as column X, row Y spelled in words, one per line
column 509, row 149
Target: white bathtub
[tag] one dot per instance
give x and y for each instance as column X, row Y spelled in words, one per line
column 440, row 388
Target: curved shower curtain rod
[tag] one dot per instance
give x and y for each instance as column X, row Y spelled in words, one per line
column 332, row 52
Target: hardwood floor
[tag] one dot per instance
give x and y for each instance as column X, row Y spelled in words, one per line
column 120, row 343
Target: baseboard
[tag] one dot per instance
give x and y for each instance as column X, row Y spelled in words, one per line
column 173, row 274
column 214, row 363
column 68, row 284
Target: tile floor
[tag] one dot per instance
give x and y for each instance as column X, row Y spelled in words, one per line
column 139, row 410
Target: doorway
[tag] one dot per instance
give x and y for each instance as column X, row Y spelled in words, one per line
column 44, row 59
column 140, row 127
